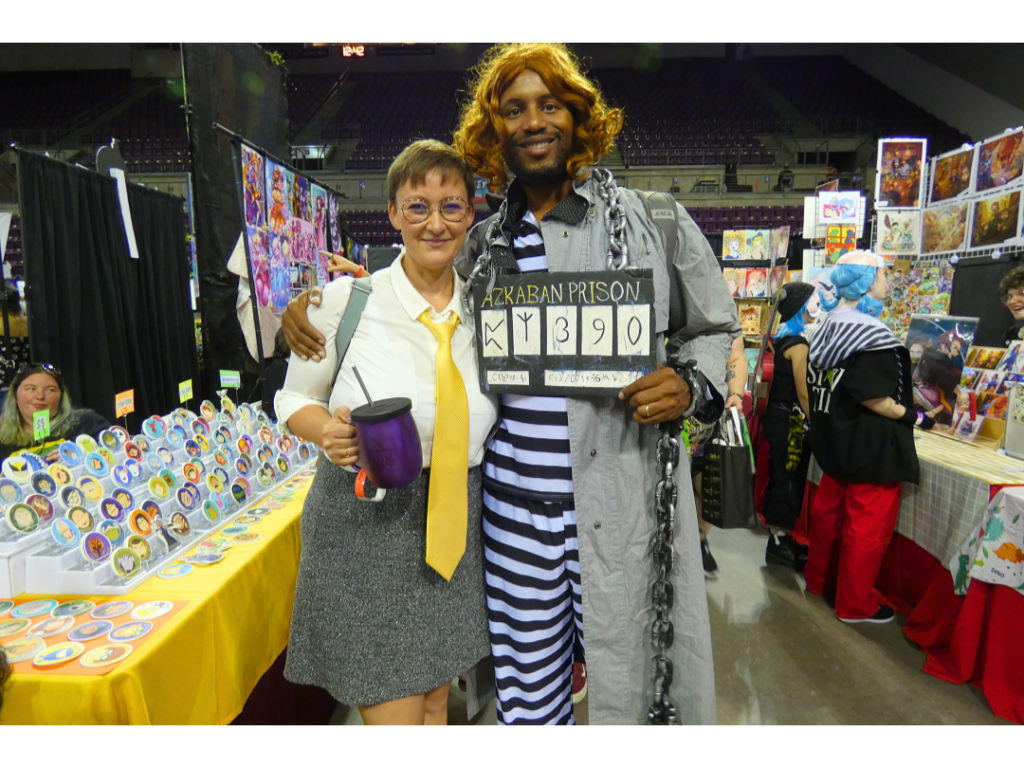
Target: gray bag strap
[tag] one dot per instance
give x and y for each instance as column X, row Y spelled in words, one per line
column 361, row 290
column 661, row 209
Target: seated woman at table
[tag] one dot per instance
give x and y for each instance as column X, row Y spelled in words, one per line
column 862, row 434
column 37, row 387
column 380, row 619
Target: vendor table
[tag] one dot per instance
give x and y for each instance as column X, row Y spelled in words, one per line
column 201, row 667
column 974, row 638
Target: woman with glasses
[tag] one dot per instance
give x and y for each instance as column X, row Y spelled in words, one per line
column 1011, row 290
column 389, row 602
column 38, row 387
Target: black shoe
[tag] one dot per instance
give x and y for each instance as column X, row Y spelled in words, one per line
column 779, row 551
column 883, row 615
column 710, row 566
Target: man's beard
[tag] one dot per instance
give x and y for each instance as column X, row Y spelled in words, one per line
column 554, row 172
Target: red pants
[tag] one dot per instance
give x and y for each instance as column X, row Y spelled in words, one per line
column 851, row 525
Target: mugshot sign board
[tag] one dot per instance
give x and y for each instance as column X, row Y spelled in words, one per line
column 565, row 333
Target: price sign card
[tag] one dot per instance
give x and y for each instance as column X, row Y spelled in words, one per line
column 41, row 424
column 230, row 379
column 567, row 333
column 185, row 390
column 125, row 402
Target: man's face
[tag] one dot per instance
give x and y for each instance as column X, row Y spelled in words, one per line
column 539, row 128
column 1015, row 302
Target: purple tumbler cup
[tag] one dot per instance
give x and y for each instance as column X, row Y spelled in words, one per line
column 389, row 443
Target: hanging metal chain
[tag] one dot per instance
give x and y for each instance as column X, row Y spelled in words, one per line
column 614, row 218
column 662, row 711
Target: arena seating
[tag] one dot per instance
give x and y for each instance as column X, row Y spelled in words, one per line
column 305, row 95
column 151, row 132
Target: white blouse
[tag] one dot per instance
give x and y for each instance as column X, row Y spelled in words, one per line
column 395, row 354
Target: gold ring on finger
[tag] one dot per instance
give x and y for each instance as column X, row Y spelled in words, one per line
column 648, row 411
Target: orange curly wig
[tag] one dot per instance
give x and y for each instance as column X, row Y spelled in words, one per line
column 481, row 136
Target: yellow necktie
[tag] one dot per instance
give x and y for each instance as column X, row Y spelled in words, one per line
column 449, row 459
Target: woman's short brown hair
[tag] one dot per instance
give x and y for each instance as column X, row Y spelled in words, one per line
column 481, row 134
column 1013, row 279
column 420, row 158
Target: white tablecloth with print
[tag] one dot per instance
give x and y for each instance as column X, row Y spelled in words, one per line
column 995, row 551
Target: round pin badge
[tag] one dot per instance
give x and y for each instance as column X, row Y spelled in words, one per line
column 86, row 443
column 91, row 488
column 275, row 505
column 43, row 484
column 107, row 455
column 61, row 653
column 179, row 524
column 191, row 472
column 72, row 497
column 222, row 436
column 96, row 547
column 42, row 506
column 112, row 531
column 13, row 626
column 192, row 448
column 140, row 546
column 140, row 522
column 175, row 571
column 90, row 631
column 305, row 452
column 96, row 465
column 168, row 477
column 23, row 649
column 122, row 475
column 264, row 454
column 203, row 443
column 111, row 610
column 220, row 500
column 220, row 458
column 201, row 427
column 82, row 519
column 179, row 418
column 124, row 497
column 262, row 419
column 72, row 608
column 242, row 466
column 61, row 475
column 10, row 492
column 111, row 509
column 271, row 470
column 166, row 456
column 238, row 493
column 245, row 444
column 234, row 530
column 156, row 461
column 259, row 511
column 245, row 538
column 214, row 483
column 126, row 564
column 22, row 518
column 16, row 468
column 110, row 440
column 105, row 655
column 153, row 609
column 282, row 493
column 246, row 412
column 65, row 533
column 247, row 519
column 152, row 511
column 266, row 436
column 263, row 477
column 158, row 488
column 132, row 451
column 210, row 511
column 187, row 500
column 33, row 608
column 121, row 432
column 192, row 488
column 282, row 464
column 228, row 452
column 208, row 409
column 134, row 470
column 154, row 427
column 5, row 606
column 143, row 443
column 52, row 627
column 71, row 454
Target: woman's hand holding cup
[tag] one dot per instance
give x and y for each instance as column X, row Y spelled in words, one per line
column 338, row 438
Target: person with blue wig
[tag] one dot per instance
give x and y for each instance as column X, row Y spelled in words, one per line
column 862, row 435
column 784, row 424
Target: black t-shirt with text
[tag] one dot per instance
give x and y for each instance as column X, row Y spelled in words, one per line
column 783, row 389
column 851, row 442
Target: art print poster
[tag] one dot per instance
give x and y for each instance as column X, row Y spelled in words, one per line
column 840, row 239
column 941, row 344
column 757, row 244
column 750, row 318
column 280, row 272
column 839, row 207
column 303, row 261
column 299, row 202
column 253, row 180
column 1000, row 161
column 900, row 179
column 921, row 290
column 319, row 195
column 778, row 243
column 951, row 176
column 736, row 281
column 734, row 244
column 944, row 228
column 898, row 234
column 757, row 283
column 279, row 190
column 337, row 246
column 776, row 278
column 995, row 220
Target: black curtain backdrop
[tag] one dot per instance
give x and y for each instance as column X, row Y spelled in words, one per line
column 238, row 86
column 109, row 322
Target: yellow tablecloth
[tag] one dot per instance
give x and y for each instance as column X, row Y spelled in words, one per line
column 972, row 460
column 201, row 667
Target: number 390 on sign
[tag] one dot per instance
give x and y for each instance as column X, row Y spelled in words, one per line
column 560, row 330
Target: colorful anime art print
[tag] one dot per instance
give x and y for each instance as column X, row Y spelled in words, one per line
column 253, row 180
column 988, row 382
column 951, row 176
column 839, row 207
column 992, row 406
column 756, row 286
column 333, row 223
column 302, row 266
column 320, row 215
column 944, row 228
column 995, row 220
column 899, row 182
column 778, row 244
column 750, row 320
column 839, row 239
column 1013, row 360
column 985, row 357
column 734, row 244
column 944, row 343
column 279, row 183
column 898, row 234
column 1000, row 161
column 758, row 244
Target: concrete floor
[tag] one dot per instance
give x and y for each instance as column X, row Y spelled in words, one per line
column 782, row 658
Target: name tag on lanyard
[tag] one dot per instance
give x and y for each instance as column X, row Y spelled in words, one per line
column 565, row 333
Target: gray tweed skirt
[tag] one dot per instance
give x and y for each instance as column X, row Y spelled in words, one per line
column 372, row 621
